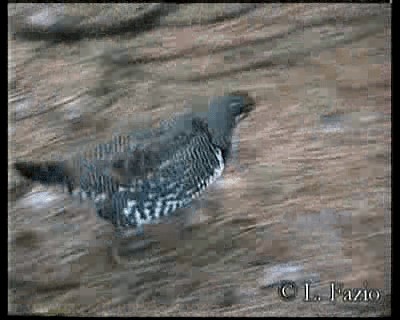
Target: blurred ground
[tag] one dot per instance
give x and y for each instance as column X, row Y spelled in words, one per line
column 313, row 203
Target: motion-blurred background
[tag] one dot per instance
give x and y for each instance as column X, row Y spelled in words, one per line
column 312, row 204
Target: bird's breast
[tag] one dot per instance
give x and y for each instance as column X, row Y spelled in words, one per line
column 172, row 188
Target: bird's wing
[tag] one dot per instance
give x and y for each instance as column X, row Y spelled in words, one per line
column 123, row 158
column 188, row 171
column 150, row 150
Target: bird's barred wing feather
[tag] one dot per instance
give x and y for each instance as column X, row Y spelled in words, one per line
column 174, row 185
column 138, row 153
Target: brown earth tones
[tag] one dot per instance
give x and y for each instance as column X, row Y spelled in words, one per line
column 312, row 203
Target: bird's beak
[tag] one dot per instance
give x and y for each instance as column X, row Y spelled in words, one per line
column 249, row 103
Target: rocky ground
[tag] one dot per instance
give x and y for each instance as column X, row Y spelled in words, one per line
column 312, row 204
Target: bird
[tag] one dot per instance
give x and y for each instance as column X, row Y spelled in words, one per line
column 141, row 177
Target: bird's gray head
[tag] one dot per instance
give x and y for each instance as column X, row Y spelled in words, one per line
column 239, row 103
column 223, row 115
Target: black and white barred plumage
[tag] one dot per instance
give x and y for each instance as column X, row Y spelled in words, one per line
column 138, row 179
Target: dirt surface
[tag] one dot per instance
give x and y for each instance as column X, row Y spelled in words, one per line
column 312, row 203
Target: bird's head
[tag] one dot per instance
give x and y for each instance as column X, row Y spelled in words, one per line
column 225, row 112
column 241, row 104
column 236, row 105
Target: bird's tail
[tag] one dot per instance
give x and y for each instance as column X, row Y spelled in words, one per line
column 49, row 173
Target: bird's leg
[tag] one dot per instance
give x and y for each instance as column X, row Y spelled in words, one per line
column 137, row 243
column 182, row 218
column 115, row 244
column 194, row 209
column 190, row 215
column 139, row 231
